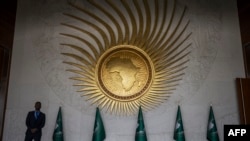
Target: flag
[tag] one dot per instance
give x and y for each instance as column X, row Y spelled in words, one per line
column 179, row 130
column 212, row 134
column 99, row 131
column 58, row 131
column 140, row 130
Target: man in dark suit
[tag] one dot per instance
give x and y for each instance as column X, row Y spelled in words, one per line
column 35, row 122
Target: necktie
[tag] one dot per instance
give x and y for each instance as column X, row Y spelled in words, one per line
column 36, row 114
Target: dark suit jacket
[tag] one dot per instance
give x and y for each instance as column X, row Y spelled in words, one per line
column 32, row 122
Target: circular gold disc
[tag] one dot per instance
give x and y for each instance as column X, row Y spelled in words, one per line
column 124, row 73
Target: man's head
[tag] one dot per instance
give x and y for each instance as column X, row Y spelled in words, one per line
column 38, row 105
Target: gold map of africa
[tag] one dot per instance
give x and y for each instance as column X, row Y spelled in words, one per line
column 124, row 73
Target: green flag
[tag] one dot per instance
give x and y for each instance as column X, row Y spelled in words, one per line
column 99, row 131
column 140, row 130
column 58, row 131
column 179, row 130
column 212, row 134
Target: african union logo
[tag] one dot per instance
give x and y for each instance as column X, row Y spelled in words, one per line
column 124, row 72
column 128, row 52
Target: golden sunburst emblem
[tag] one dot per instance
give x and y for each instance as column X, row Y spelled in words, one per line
column 134, row 59
column 124, row 72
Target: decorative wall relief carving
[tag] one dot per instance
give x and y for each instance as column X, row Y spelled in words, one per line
column 132, row 52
